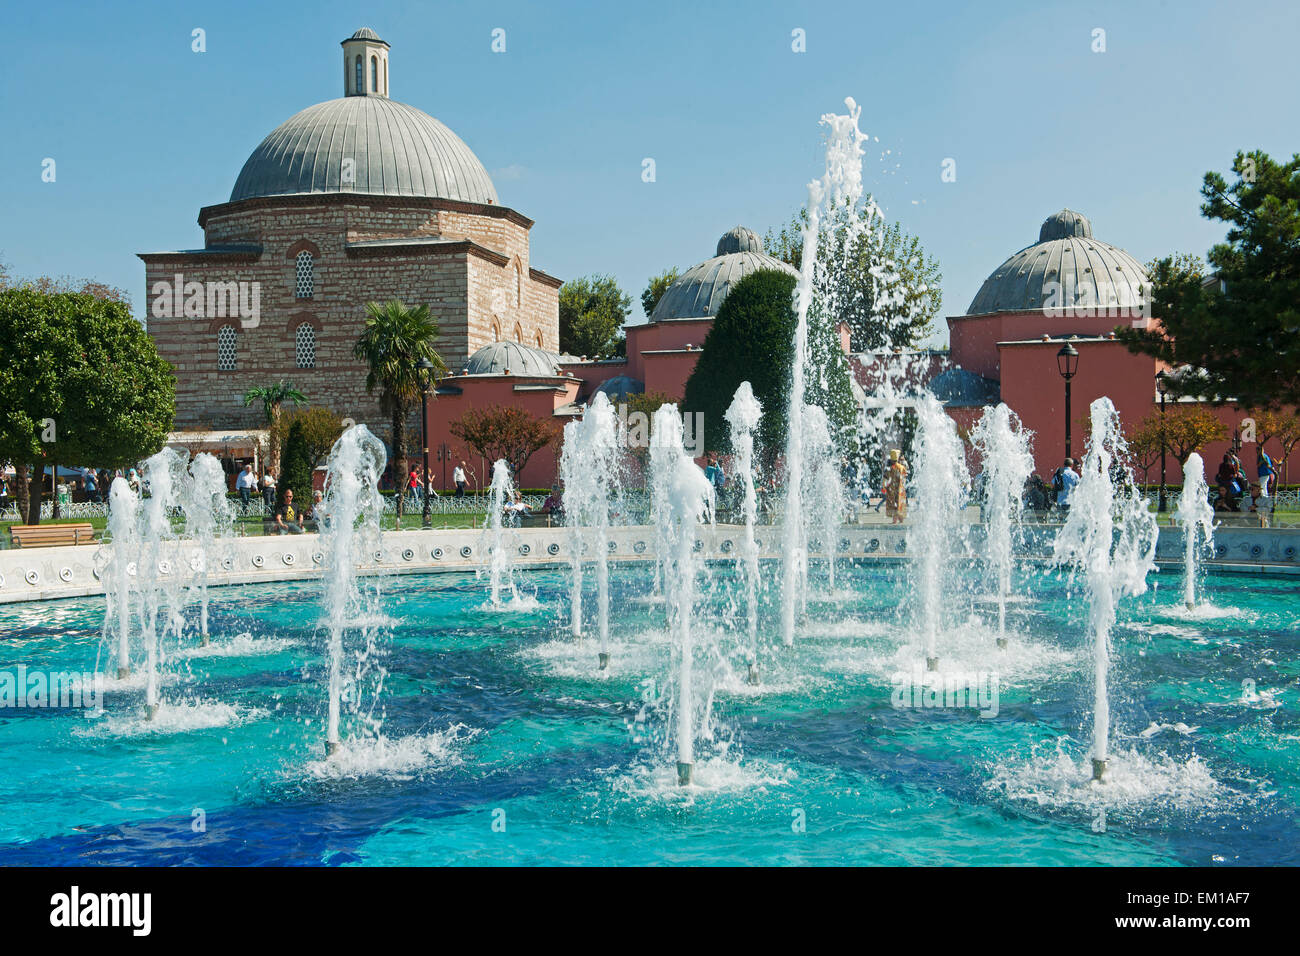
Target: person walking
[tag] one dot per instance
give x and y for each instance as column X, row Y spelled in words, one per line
column 245, row 484
column 1063, row 483
column 268, row 492
column 90, row 481
column 895, row 490
column 458, row 476
column 1267, row 473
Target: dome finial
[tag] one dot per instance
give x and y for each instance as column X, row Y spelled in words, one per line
column 1065, row 224
column 739, row 239
column 365, row 64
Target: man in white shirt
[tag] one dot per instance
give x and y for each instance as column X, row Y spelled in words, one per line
column 268, row 492
column 1066, row 479
column 245, row 484
column 458, row 476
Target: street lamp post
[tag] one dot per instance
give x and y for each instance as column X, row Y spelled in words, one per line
column 1162, row 386
column 1067, row 363
column 426, row 376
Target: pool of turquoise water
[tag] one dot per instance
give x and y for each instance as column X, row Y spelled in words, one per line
column 501, row 742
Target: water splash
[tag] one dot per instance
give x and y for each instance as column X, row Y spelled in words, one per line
column 208, row 522
column 500, row 567
column 1197, row 520
column 1109, row 535
column 937, row 533
column 349, row 533
column 743, row 416
column 157, row 579
column 119, row 569
column 1004, row 447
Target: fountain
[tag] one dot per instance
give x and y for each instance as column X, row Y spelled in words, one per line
column 353, row 507
column 823, row 493
column 689, row 500
column 1004, row 447
column 840, row 186
column 500, row 571
column 1197, row 520
column 159, row 587
column 938, row 531
column 743, row 417
column 588, row 465
column 124, row 532
column 1114, row 561
column 208, row 520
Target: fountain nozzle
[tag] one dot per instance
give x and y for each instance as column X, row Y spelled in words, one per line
column 150, row 711
column 1002, row 643
column 1191, row 605
column 932, row 663
column 204, row 642
column 1098, row 770
column 123, row 673
column 604, row 660
column 683, row 774
column 752, row 678
column 331, row 747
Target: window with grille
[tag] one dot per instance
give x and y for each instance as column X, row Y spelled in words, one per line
column 226, row 348
column 304, row 346
column 306, row 284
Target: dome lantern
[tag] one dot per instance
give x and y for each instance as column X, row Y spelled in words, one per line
column 365, row 64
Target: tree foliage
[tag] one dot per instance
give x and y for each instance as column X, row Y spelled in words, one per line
column 874, row 277
column 592, row 312
column 1280, row 426
column 273, row 398
column 752, row 339
column 505, row 432
column 1241, row 334
column 393, row 342
column 1180, row 430
column 655, row 289
column 297, row 466
column 82, row 383
column 321, row 428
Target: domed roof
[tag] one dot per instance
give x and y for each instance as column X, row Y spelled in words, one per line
column 397, row 150
column 620, row 387
column 501, row 357
column 365, row 33
column 962, row 388
column 700, row 290
column 1066, row 268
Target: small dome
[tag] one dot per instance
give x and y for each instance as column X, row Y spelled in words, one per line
column 739, row 239
column 365, row 33
column 699, row 291
column 1065, row 224
column 1067, row 268
column 964, row 389
column 620, row 387
column 500, row 357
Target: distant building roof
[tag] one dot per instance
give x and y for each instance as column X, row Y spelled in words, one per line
column 699, row 292
column 961, row 388
column 1066, row 268
column 499, row 358
column 620, row 387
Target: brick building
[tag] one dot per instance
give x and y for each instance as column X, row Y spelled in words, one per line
column 355, row 200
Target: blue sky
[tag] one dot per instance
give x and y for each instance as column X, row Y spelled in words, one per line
column 144, row 131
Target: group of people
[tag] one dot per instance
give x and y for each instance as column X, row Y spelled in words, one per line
column 1234, row 489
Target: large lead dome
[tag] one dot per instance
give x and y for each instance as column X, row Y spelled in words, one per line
column 364, row 143
column 1066, row 268
column 701, row 289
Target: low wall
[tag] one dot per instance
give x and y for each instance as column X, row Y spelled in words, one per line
column 39, row 574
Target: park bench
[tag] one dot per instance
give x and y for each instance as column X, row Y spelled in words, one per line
column 51, row 535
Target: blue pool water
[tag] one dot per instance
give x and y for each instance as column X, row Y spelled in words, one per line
column 502, row 743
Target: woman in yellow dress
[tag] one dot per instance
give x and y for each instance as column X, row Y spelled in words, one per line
column 895, row 489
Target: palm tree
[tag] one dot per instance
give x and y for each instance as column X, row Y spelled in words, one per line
column 393, row 342
column 272, row 397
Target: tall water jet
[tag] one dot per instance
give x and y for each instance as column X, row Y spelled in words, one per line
column 937, row 531
column 158, row 584
column 1109, row 534
column 589, row 467
column 208, row 520
column 124, row 533
column 823, row 489
column 1197, row 520
column 1004, row 447
column 501, row 574
column 353, row 508
column 690, row 500
column 743, row 416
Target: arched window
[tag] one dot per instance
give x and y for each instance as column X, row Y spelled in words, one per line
column 226, row 348
column 496, row 331
column 537, row 339
column 374, row 74
column 385, row 77
column 304, row 345
column 305, row 287
column 519, row 333
column 360, row 84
